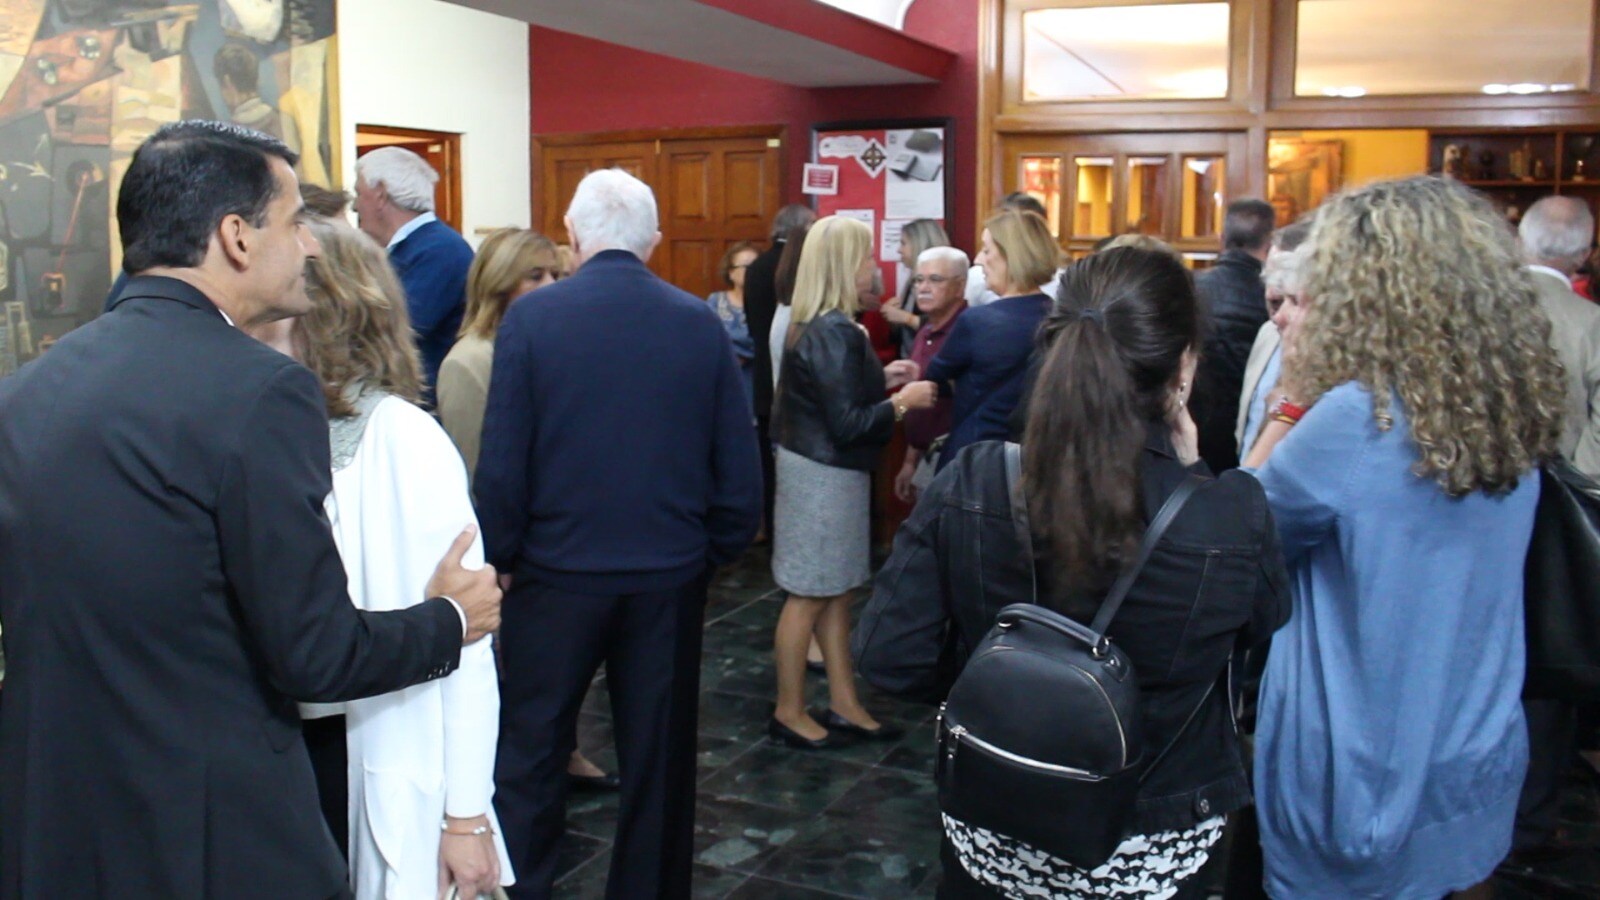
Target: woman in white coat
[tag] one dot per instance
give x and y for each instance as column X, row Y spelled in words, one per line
column 421, row 760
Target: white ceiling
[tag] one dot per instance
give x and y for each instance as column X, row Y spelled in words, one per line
column 685, row 29
column 1441, row 46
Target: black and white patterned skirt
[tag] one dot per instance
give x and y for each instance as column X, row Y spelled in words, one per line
column 1147, row 866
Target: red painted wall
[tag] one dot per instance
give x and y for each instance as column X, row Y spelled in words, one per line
column 584, row 85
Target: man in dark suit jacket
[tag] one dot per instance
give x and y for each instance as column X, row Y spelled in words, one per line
column 760, row 305
column 618, row 466
column 170, row 584
column 1234, row 299
column 394, row 204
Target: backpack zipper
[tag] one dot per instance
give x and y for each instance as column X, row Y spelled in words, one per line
column 959, row 734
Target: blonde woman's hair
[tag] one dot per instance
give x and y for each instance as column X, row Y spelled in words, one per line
column 826, row 278
column 358, row 331
column 1416, row 289
column 506, row 257
column 1024, row 240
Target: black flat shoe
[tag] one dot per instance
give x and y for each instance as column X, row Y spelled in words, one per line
column 835, row 722
column 593, row 784
column 817, row 665
column 788, row 737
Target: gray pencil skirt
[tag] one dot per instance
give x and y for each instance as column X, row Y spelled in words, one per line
column 821, row 527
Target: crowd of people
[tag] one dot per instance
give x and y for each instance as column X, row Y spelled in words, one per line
column 258, row 520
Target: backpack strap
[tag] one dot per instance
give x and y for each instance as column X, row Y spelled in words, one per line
column 1152, row 536
column 1019, row 513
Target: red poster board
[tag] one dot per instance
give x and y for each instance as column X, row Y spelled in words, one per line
column 886, row 174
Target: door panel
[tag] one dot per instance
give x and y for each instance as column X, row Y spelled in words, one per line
column 1168, row 185
column 711, row 193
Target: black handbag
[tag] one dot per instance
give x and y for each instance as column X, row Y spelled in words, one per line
column 1041, row 737
column 1561, row 587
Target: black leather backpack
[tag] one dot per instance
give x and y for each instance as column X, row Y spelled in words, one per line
column 1041, row 737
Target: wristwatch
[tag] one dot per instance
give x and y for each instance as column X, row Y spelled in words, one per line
column 1286, row 412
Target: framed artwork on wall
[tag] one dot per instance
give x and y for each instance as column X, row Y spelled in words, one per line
column 84, row 82
column 1301, row 174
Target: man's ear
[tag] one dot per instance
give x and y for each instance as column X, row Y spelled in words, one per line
column 236, row 239
column 654, row 243
column 572, row 237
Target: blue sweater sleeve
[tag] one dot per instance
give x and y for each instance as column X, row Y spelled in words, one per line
column 1308, row 474
column 501, row 484
column 434, row 291
column 734, row 514
column 955, row 357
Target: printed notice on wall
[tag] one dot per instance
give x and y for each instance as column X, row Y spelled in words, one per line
column 821, row 179
column 898, row 175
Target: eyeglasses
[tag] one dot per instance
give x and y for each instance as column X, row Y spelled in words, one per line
column 739, row 266
column 934, row 280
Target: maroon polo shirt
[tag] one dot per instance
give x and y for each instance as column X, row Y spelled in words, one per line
column 923, row 425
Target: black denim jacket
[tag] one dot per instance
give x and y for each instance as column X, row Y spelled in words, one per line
column 1216, row 581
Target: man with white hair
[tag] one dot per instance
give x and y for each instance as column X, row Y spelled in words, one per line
column 941, row 284
column 618, row 466
column 394, row 205
column 1556, row 234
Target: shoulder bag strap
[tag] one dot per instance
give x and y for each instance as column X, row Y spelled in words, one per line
column 1152, row 536
column 1019, row 513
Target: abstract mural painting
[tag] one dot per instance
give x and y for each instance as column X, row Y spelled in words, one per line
column 84, row 82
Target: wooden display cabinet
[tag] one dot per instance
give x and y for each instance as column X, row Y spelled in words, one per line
column 1514, row 168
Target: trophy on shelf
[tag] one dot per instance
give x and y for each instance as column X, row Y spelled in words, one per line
column 1581, row 145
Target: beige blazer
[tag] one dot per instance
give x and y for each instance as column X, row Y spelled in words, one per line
column 1575, row 335
column 464, row 393
column 1267, row 340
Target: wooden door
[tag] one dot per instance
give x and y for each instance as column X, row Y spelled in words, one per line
column 565, row 166
column 713, row 194
column 441, row 149
column 1173, row 186
column 712, row 191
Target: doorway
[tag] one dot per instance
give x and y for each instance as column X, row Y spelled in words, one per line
column 442, row 150
column 714, row 188
column 1172, row 186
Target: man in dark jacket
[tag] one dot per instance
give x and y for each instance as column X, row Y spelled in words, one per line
column 618, row 466
column 171, row 583
column 1234, row 299
column 760, row 304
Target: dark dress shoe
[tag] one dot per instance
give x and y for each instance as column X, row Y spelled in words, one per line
column 788, row 737
column 835, row 722
column 593, row 784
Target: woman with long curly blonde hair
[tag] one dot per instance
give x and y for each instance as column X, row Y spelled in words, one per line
column 425, row 755
column 1419, row 392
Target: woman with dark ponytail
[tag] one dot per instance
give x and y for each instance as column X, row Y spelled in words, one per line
column 1109, row 438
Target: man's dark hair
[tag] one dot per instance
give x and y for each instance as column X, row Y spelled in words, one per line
column 1022, row 202
column 184, row 180
column 236, row 63
column 795, row 215
column 1248, row 225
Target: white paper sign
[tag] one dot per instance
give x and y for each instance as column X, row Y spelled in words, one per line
column 889, row 243
column 914, row 188
column 865, row 216
column 822, row 180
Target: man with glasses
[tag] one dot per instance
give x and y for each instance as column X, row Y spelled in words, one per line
column 940, row 285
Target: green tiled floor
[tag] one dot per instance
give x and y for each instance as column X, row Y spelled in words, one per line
column 861, row 821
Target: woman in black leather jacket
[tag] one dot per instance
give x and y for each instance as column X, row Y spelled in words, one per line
column 830, row 421
column 1108, row 439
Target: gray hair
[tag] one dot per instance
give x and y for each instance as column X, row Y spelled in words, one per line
column 1557, row 231
column 404, row 176
column 795, row 215
column 952, row 256
column 1285, row 271
column 613, row 210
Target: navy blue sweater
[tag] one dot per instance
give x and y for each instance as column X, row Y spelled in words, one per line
column 986, row 357
column 619, row 455
column 432, row 263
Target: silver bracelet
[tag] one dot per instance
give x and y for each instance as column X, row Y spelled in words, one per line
column 481, row 830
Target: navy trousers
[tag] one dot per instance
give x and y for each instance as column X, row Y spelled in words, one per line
column 552, row 643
